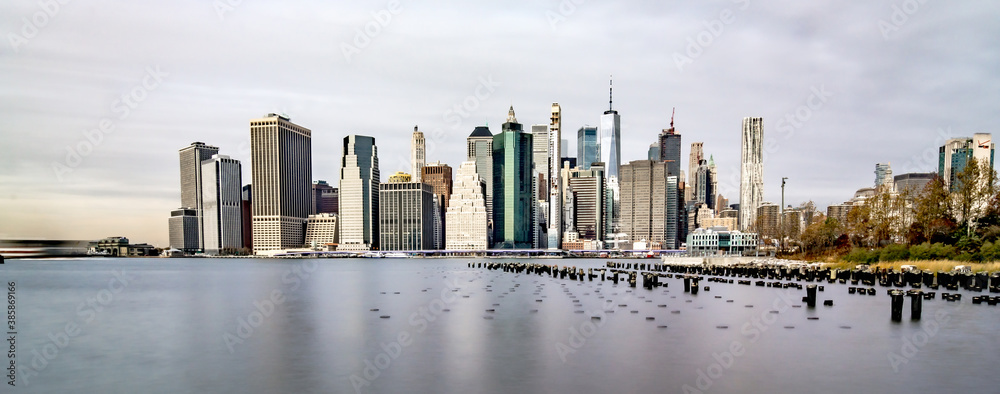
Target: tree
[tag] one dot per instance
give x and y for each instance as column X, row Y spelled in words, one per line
column 973, row 188
column 932, row 214
column 821, row 236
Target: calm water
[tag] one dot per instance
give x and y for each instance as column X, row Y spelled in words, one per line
column 302, row 326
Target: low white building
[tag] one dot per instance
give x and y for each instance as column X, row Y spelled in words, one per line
column 322, row 229
column 719, row 240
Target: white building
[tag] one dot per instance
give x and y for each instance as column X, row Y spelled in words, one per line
column 751, row 171
column 322, row 230
column 417, row 154
column 359, row 194
column 466, row 225
column 222, row 194
column 717, row 240
column 555, row 180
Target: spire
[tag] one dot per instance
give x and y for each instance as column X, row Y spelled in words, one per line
column 414, row 129
column 611, row 89
column 510, row 115
column 672, row 112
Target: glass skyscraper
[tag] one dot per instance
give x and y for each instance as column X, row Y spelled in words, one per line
column 512, row 186
column 359, row 194
column 588, row 147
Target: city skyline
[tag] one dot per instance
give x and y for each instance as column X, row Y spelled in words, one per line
column 852, row 79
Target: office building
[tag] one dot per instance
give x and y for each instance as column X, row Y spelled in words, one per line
column 322, row 231
column 281, row 153
column 913, row 183
column 956, row 152
column 480, row 150
column 653, row 153
column 694, row 161
column 418, row 152
column 246, row 208
column 555, row 199
column 406, row 215
column 512, row 186
column 540, row 154
column 670, row 149
column 326, row 198
column 720, row 241
column 359, row 194
column 191, row 195
column 767, row 220
column 585, row 188
column 649, row 204
column 881, row 169
column 439, row 177
column 184, row 232
column 222, row 218
column 588, row 147
column 465, row 221
column 751, row 171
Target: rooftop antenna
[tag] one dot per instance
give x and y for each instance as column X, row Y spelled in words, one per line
column 611, row 88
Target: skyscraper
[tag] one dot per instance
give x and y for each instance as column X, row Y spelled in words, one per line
column 670, row 150
column 480, row 150
column 540, row 154
column 191, row 196
column 438, row 176
column 184, row 231
column 359, row 194
column 326, row 198
column 880, row 173
column 406, row 215
column 417, row 154
column 694, row 161
column 588, row 147
column 649, row 203
column 751, row 171
column 221, row 179
column 586, row 189
column 465, row 223
column 611, row 152
column 512, row 186
column 281, row 159
column 555, row 181
column 956, row 152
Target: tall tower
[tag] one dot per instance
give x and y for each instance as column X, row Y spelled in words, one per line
column 191, row 196
column 359, row 194
column 588, row 147
column 479, row 148
column 697, row 155
column 751, row 171
column 417, row 154
column 611, row 152
column 670, row 150
column 555, row 181
column 512, row 186
column 222, row 197
column 281, row 159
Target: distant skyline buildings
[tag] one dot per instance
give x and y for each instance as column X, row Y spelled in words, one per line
column 588, row 147
column 695, row 157
column 191, row 158
column 751, row 171
column 479, row 148
column 222, row 197
column 359, row 194
column 466, row 225
column 956, row 152
column 281, row 164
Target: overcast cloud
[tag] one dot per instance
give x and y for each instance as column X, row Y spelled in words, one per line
column 892, row 88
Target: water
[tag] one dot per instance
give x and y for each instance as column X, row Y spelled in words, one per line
column 176, row 327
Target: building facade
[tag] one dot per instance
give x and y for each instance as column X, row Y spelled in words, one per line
column 184, row 231
column 649, row 204
column 694, row 161
column 326, row 198
column 322, row 231
column 555, row 199
column 480, row 150
column 406, row 214
column 281, row 158
column 585, row 195
column 359, row 194
column 956, row 152
column 719, row 241
column 191, row 195
column 512, row 186
column 751, row 171
column 588, row 147
column 465, row 221
column 222, row 198
column 418, row 153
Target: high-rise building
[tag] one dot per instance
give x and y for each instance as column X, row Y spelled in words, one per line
column 694, row 161
column 359, row 194
column 191, row 196
column 880, row 173
column 417, row 154
column 406, row 215
column 670, row 150
column 281, row 161
column 611, row 152
column 325, row 198
column 222, row 197
column 913, row 182
column 439, row 177
column 751, row 171
column 956, row 152
column 839, row 212
column 588, row 147
column 703, row 188
column 555, row 181
column 767, row 220
column 246, row 208
column 540, row 154
column 653, row 153
column 480, row 150
column 586, row 189
column 649, row 204
column 184, row 232
column 512, row 186
column 465, row 222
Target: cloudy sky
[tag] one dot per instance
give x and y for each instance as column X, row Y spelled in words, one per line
column 97, row 97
